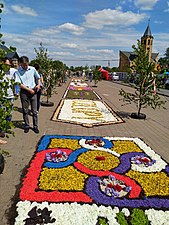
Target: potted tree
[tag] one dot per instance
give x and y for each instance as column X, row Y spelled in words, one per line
column 144, row 83
column 97, row 76
column 47, row 72
column 51, row 71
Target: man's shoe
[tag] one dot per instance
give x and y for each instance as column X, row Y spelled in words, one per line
column 2, row 134
column 35, row 129
column 26, row 130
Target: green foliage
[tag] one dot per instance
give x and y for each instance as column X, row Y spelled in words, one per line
column 164, row 61
column 121, row 219
column 45, row 68
column 50, row 70
column 5, row 105
column 97, row 76
column 143, row 82
column 137, row 217
column 102, row 221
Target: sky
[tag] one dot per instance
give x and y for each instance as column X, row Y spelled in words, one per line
column 84, row 32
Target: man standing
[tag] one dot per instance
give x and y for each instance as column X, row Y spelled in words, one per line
column 26, row 76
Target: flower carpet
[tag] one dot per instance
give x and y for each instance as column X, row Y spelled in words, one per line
column 88, row 180
column 83, row 94
column 81, row 105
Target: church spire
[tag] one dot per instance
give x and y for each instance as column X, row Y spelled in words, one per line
column 147, row 32
column 147, row 41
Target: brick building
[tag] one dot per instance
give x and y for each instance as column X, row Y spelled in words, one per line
column 126, row 58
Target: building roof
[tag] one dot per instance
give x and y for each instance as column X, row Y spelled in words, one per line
column 131, row 55
column 147, row 32
column 3, row 47
column 9, row 55
column 154, row 56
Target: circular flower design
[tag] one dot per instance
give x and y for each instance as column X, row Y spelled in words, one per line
column 57, row 156
column 112, row 187
column 95, row 142
column 142, row 161
column 98, row 160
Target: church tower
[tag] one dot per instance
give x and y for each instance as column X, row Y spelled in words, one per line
column 147, row 41
column 126, row 58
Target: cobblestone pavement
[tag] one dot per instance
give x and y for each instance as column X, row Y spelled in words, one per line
column 154, row 131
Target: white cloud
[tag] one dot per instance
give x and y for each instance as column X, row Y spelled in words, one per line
column 158, row 22
column 52, row 31
column 167, row 10
column 109, row 17
column 24, row 10
column 160, row 43
column 54, row 54
column 72, row 28
column 100, row 46
column 70, row 45
column 99, row 51
column 145, row 4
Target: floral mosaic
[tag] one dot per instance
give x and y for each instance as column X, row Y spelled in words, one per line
column 91, row 179
column 84, row 94
column 81, row 105
column 85, row 112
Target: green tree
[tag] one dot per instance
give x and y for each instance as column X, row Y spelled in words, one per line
column 144, row 82
column 97, row 76
column 51, row 71
column 164, row 61
column 5, row 105
column 45, row 63
column 59, row 70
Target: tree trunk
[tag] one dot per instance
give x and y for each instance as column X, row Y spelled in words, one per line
column 47, row 97
column 2, row 163
column 139, row 106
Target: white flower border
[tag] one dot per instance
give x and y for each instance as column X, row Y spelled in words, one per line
column 157, row 217
column 158, row 166
column 86, row 214
column 69, row 213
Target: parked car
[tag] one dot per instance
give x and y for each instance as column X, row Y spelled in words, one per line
column 115, row 76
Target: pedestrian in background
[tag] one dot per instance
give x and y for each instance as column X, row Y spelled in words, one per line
column 26, row 76
column 15, row 65
column 90, row 75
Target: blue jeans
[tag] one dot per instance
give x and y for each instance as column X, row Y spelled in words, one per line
column 16, row 89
